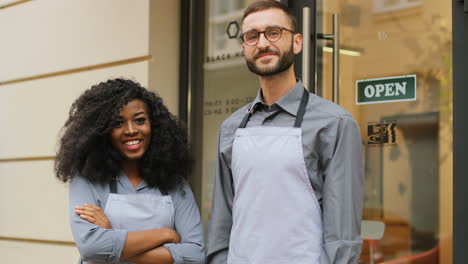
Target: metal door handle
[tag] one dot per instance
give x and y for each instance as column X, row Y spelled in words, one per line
column 306, row 47
column 336, row 55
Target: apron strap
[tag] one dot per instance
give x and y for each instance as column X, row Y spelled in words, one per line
column 246, row 118
column 302, row 109
column 113, row 185
column 299, row 115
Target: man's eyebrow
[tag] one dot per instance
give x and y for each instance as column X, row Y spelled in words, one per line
column 269, row 26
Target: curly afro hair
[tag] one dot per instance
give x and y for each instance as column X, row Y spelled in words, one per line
column 85, row 146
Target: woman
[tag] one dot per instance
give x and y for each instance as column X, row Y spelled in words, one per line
column 126, row 158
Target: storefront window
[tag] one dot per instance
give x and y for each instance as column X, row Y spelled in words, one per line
column 392, row 47
column 406, row 126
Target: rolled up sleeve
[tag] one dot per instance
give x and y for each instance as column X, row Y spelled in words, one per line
column 343, row 191
column 188, row 225
column 93, row 242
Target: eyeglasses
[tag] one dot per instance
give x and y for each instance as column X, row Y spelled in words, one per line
column 272, row 34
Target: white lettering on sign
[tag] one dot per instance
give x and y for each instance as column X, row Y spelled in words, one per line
column 389, row 89
column 386, row 90
column 369, row 91
column 401, row 88
column 380, row 88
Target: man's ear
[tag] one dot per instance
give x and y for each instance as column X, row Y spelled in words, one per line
column 297, row 43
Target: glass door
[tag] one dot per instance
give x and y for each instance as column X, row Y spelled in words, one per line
column 228, row 84
column 394, row 76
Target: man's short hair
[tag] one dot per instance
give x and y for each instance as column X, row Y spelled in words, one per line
column 269, row 4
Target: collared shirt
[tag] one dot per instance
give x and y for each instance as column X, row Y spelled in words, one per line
column 333, row 156
column 106, row 245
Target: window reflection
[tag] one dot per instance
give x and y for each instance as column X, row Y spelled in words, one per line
column 408, row 182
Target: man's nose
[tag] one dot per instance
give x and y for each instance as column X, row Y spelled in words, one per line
column 263, row 42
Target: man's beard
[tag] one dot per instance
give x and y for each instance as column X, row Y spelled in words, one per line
column 283, row 64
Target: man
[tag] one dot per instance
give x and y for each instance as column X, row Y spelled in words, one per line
column 289, row 179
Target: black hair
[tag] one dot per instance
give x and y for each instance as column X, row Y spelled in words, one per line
column 85, row 147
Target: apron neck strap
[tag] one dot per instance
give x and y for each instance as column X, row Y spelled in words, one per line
column 299, row 115
column 113, row 185
column 246, row 118
column 302, row 109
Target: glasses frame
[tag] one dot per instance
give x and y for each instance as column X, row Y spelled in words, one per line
column 263, row 32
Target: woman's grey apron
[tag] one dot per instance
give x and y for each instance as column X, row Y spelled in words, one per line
column 276, row 216
column 138, row 212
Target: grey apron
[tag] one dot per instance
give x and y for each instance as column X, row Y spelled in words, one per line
column 138, row 212
column 276, row 216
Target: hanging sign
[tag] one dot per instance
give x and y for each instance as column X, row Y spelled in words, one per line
column 386, row 90
column 381, row 133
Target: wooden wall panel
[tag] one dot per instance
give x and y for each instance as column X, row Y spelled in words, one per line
column 33, row 203
column 67, row 34
column 164, row 45
column 26, row 253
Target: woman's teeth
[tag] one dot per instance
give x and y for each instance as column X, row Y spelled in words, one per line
column 133, row 142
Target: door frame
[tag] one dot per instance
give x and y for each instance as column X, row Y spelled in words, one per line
column 192, row 38
column 297, row 7
column 460, row 130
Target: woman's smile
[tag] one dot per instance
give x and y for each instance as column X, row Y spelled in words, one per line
column 131, row 136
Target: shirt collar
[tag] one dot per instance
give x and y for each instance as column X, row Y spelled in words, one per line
column 258, row 100
column 289, row 102
column 127, row 184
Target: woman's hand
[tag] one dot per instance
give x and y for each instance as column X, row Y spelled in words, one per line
column 139, row 242
column 172, row 235
column 93, row 214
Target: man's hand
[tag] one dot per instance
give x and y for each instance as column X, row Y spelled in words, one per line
column 93, row 214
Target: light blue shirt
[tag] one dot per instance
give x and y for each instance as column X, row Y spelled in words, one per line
column 106, row 245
